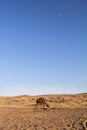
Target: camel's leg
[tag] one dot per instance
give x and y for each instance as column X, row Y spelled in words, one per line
column 43, row 105
column 36, row 105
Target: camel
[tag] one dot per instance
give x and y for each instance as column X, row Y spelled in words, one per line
column 42, row 102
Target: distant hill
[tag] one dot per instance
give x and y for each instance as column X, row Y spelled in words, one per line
column 54, row 100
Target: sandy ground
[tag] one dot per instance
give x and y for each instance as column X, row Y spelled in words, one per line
column 66, row 112
column 42, row 119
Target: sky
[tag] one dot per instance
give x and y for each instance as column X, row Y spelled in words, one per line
column 43, row 47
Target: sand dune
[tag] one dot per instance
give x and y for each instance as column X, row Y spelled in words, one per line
column 54, row 100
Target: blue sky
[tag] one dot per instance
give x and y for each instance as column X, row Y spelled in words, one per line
column 43, row 46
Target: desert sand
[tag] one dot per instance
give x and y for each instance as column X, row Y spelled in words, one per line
column 66, row 112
